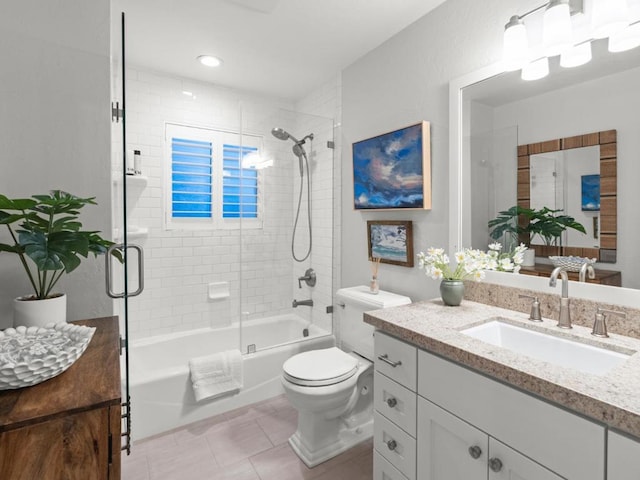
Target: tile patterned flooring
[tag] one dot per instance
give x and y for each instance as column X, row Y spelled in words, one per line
column 245, row 444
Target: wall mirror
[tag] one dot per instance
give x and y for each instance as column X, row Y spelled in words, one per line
column 495, row 116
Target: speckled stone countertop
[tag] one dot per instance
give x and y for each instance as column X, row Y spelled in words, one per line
column 613, row 399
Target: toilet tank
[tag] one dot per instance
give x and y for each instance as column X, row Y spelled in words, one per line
column 353, row 333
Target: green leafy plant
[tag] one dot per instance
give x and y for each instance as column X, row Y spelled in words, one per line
column 522, row 224
column 47, row 236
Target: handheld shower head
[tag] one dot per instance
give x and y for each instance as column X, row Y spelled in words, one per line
column 282, row 134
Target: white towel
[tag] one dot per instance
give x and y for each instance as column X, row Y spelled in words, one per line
column 217, row 374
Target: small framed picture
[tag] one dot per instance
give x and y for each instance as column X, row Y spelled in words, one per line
column 391, row 241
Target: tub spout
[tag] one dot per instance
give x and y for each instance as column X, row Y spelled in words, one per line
column 297, row 303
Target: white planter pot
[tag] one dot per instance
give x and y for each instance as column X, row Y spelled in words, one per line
column 529, row 257
column 38, row 313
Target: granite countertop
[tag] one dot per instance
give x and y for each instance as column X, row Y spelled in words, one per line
column 613, row 398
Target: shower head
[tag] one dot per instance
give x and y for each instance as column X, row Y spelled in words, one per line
column 282, row 134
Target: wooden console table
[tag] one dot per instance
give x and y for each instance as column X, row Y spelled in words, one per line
column 603, row 277
column 67, row 427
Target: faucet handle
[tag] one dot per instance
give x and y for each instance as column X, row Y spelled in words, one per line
column 600, row 322
column 534, row 316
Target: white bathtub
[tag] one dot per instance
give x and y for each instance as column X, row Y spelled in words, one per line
column 160, row 387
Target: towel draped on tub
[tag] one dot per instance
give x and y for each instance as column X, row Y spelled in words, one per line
column 216, row 374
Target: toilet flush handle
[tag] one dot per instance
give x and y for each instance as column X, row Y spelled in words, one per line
column 385, row 358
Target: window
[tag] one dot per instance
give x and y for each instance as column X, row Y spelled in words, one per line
column 210, row 181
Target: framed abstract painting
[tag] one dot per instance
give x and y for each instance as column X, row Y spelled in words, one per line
column 391, row 241
column 393, row 170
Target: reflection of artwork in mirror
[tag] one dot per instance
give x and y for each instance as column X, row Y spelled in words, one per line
column 590, row 193
column 391, row 241
column 393, row 170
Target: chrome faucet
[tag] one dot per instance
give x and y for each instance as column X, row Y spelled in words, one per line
column 309, row 278
column 297, row 303
column 582, row 276
column 564, row 320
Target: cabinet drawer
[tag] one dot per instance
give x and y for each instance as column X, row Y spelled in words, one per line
column 623, row 457
column 394, row 444
column 396, row 403
column 534, row 427
column 383, row 470
column 396, row 359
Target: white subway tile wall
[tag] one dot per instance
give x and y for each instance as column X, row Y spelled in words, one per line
column 257, row 263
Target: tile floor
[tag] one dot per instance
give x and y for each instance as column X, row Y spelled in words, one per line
column 245, row 444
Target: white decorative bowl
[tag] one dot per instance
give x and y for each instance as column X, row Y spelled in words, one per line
column 31, row 355
column 571, row 264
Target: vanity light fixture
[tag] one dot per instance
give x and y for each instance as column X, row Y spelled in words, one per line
column 609, row 18
column 625, row 39
column 557, row 34
column 209, row 60
column 536, row 70
column 576, row 56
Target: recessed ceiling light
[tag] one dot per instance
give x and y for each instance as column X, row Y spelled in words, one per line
column 209, row 61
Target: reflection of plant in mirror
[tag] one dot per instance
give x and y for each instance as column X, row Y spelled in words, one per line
column 509, row 261
column 547, row 223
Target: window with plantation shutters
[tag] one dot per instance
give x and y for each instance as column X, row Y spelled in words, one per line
column 209, row 183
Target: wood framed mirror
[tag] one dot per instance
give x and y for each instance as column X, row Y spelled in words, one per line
column 606, row 225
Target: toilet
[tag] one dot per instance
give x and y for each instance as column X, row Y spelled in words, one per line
column 332, row 388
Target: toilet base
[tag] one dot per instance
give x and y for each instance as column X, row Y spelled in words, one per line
column 347, row 438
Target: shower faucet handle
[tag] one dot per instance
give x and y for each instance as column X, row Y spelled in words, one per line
column 309, row 278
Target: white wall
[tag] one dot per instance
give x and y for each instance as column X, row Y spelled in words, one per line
column 55, row 128
column 404, row 81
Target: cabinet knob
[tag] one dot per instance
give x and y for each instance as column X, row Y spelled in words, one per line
column 475, row 451
column 495, row 464
column 392, row 402
column 385, row 359
column 391, row 444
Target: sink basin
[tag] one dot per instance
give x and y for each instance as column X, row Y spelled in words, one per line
column 560, row 351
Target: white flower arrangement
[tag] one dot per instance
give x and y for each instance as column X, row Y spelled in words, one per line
column 470, row 263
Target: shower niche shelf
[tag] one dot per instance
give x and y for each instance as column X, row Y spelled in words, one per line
column 135, row 181
column 133, row 232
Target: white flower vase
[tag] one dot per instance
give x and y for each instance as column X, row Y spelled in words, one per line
column 38, row 313
column 529, row 257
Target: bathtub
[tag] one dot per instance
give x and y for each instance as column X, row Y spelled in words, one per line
column 160, row 387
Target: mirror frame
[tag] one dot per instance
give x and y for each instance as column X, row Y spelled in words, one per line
column 607, row 141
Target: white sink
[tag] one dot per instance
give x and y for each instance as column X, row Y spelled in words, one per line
column 560, row 351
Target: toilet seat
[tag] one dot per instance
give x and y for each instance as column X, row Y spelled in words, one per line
column 318, row 368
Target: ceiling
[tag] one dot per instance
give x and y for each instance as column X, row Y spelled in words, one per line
column 280, row 48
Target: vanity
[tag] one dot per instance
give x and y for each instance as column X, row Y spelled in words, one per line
column 449, row 404
column 67, row 427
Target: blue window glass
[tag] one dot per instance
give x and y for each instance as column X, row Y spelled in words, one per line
column 191, row 175
column 239, row 185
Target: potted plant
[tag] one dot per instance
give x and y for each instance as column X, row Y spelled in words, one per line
column 47, row 238
column 520, row 224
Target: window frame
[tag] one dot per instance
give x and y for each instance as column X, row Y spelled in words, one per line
column 218, row 138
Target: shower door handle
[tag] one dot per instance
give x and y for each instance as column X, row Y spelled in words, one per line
column 109, row 277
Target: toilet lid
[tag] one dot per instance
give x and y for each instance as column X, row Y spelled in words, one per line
column 318, row 368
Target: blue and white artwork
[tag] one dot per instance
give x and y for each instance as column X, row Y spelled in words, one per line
column 590, row 193
column 389, row 170
column 391, row 242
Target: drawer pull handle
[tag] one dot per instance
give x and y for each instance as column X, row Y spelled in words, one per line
column 475, row 451
column 392, row 402
column 385, row 359
column 391, row 444
column 495, row 464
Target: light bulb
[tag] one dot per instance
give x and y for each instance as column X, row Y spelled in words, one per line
column 209, row 61
column 557, row 33
column 576, row 56
column 515, row 44
column 536, row 70
column 625, row 39
column 608, row 17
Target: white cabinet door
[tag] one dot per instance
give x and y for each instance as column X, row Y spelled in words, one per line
column 507, row 464
column 449, row 448
column 623, row 458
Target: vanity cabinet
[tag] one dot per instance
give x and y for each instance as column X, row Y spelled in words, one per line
column 68, row 427
column 395, row 420
column 559, row 442
column 452, row 449
column 623, row 457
